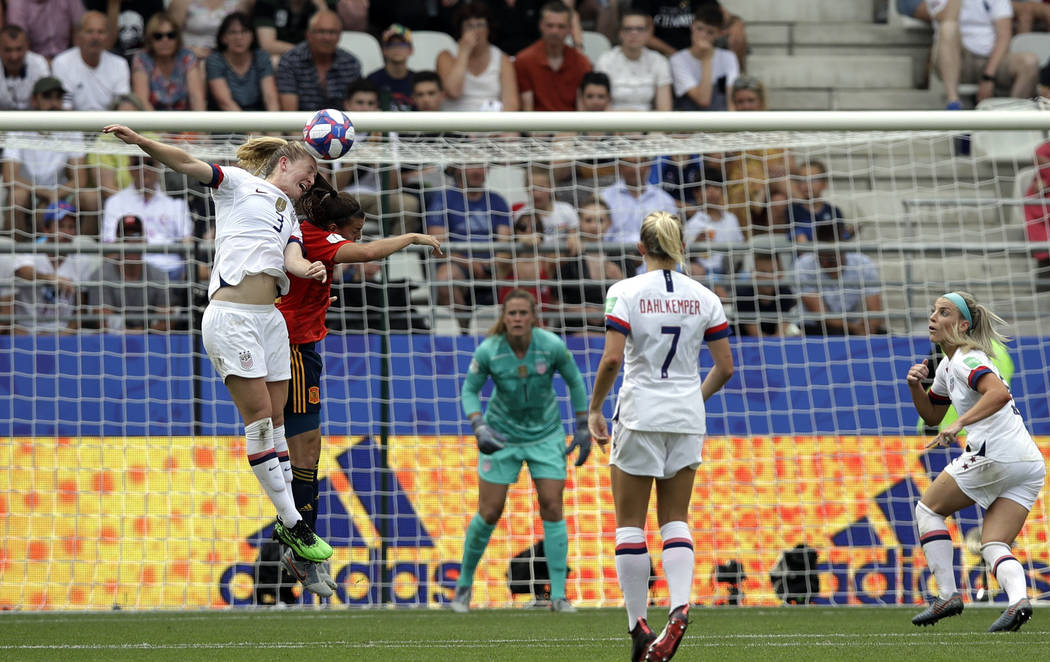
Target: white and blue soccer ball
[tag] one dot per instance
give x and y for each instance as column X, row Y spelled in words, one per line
column 329, row 134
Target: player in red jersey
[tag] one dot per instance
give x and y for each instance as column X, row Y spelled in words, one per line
column 331, row 224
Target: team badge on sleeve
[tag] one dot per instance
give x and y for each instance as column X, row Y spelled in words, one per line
column 280, row 205
column 972, row 362
column 335, row 238
column 610, row 303
column 474, row 367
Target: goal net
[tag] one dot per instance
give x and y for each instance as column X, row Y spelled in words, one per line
column 122, row 473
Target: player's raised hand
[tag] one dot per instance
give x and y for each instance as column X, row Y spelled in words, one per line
column 919, row 372
column 581, row 439
column 123, row 133
column 596, row 426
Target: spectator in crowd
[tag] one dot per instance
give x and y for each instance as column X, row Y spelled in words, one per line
column 130, row 294
column 672, row 23
column 38, row 177
column 809, row 208
column 316, row 73
column 467, row 212
column 240, row 76
column 678, row 174
column 762, row 305
column 47, row 284
column 22, row 68
column 973, row 45
column 282, row 24
column 165, row 220
column 164, row 74
column 756, row 179
column 394, row 80
column 50, row 24
column 1037, row 217
column 703, row 74
column 524, row 266
column 478, row 76
column 199, row 21
column 585, row 273
column 92, row 76
column 594, row 94
column 125, row 23
column 641, row 77
column 428, row 94
column 558, row 218
column 841, row 287
column 712, row 222
column 548, row 71
column 631, row 197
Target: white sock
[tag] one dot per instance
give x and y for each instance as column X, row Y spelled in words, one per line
column 938, row 549
column 678, row 561
column 280, row 446
column 258, row 437
column 632, row 569
column 1007, row 569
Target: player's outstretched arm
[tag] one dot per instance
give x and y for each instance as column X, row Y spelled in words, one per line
column 175, row 158
column 377, row 250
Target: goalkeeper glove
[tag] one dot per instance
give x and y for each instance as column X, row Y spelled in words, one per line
column 489, row 440
column 580, row 439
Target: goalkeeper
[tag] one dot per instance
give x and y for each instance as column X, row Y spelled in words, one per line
column 521, row 424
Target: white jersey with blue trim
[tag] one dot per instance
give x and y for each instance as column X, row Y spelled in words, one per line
column 1003, row 434
column 254, row 222
column 666, row 316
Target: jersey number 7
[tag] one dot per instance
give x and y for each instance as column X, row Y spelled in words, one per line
column 675, row 332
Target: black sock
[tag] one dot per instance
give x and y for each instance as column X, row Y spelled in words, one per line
column 304, row 491
column 316, row 499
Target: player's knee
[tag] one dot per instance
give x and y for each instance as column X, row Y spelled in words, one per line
column 551, row 511
column 927, row 520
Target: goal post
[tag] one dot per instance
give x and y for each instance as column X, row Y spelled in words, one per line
column 122, row 478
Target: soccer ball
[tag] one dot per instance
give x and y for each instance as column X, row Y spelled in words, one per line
column 329, row 134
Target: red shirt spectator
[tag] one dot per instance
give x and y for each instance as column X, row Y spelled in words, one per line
column 549, row 71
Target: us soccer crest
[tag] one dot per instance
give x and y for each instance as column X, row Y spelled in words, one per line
column 246, row 359
column 541, row 366
column 280, row 205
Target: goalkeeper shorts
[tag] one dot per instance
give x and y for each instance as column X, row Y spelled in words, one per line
column 546, row 459
column 651, row 453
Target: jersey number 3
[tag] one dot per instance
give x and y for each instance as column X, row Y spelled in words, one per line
column 280, row 222
column 675, row 332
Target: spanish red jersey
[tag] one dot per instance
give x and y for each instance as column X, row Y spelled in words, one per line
column 305, row 304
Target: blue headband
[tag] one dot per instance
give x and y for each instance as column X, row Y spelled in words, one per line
column 961, row 305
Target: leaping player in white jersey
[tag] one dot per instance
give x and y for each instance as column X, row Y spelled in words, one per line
column 655, row 324
column 1000, row 469
column 257, row 238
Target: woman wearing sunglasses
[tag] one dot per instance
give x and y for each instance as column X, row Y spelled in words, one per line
column 165, row 75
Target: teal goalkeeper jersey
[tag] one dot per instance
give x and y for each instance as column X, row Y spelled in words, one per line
column 523, row 405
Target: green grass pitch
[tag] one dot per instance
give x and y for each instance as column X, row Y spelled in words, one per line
column 722, row 634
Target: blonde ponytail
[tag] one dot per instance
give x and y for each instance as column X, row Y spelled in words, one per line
column 259, row 156
column 663, row 236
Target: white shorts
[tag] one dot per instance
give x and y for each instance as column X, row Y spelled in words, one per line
column 659, row 454
column 985, row 480
column 246, row 340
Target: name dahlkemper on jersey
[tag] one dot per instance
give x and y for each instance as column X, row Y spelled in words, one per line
column 670, row 306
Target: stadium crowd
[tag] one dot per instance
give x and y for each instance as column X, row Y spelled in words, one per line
column 506, row 56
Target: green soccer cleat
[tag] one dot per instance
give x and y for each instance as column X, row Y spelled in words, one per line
column 303, row 541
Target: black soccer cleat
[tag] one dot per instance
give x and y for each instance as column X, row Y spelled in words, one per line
column 641, row 636
column 664, row 647
column 938, row 609
column 1014, row 617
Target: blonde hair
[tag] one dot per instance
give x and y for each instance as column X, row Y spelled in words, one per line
column 259, row 156
column 982, row 333
column 500, row 328
column 663, row 236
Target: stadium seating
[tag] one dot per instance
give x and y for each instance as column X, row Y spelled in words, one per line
column 426, row 45
column 365, row 47
column 1032, row 42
